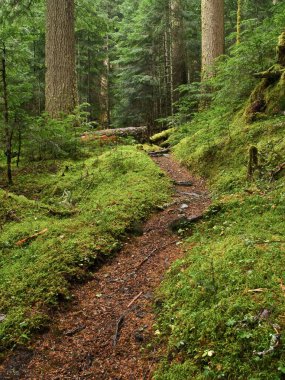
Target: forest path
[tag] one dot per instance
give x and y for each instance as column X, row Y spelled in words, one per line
column 80, row 343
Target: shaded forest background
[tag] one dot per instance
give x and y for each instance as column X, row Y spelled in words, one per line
column 138, row 62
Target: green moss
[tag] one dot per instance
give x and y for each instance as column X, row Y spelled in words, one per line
column 162, row 136
column 209, row 318
column 86, row 206
column 210, row 313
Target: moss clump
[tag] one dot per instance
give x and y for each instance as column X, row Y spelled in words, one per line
column 161, row 137
column 213, row 300
column 86, row 210
column 222, row 301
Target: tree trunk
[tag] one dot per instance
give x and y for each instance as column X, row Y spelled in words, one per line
column 178, row 47
column 212, row 34
column 61, row 87
column 239, row 9
column 8, row 131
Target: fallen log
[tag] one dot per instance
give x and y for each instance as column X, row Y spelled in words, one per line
column 159, row 153
column 139, row 133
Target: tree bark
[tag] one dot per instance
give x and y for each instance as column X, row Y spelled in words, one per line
column 239, row 10
column 61, row 85
column 212, row 34
column 8, row 131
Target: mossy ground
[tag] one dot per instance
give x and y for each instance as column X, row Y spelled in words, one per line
column 224, row 301
column 87, row 207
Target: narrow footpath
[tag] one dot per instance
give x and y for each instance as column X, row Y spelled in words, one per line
column 101, row 333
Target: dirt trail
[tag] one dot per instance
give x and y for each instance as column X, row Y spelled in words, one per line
column 80, row 343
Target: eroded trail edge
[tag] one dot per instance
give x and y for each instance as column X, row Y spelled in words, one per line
column 101, row 334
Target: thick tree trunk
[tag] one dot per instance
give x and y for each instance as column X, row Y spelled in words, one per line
column 61, row 87
column 212, row 34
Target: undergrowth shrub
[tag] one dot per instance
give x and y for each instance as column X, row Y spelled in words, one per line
column 48, row 138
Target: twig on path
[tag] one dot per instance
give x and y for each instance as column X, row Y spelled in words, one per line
column 27, row 239
column 134, row 300
column 183, row 183
column 119, row 325
column 152, row 253
column 75, row 330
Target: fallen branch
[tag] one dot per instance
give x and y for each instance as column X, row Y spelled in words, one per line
column 75, row 330
column 275, row 75
column 152, row 253
column 134, row 300
column 119, row 326
column 259, row 290
column 275, row 342
column 121, row 320
column 27, row 239
column 183, row 183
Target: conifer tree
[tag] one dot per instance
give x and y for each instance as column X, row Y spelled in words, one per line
column 212, row 33
column 61, row 87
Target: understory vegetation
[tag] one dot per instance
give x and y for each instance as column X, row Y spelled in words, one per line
column 59, row 219
column 221, row 312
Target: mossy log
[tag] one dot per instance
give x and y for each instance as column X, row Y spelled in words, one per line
column 138, row 133
column 274, row 73
column 161, row 137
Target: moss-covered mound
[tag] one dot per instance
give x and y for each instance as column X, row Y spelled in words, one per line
column 69, row 216
column 221, row 308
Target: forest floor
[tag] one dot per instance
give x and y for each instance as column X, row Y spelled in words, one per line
column 107, row 331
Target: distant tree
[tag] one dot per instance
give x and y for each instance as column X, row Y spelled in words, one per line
column 61, row 84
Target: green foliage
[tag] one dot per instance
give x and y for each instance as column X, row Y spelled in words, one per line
column 47, row 138
column 234, row 80
column 87, row 206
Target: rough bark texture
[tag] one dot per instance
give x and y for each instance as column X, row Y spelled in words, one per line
column 61, row 87
column 212, row 33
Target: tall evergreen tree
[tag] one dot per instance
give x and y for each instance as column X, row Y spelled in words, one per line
column 212, row 33
column 61, row 86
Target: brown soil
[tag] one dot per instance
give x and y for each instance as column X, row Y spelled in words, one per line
column 80, row 343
